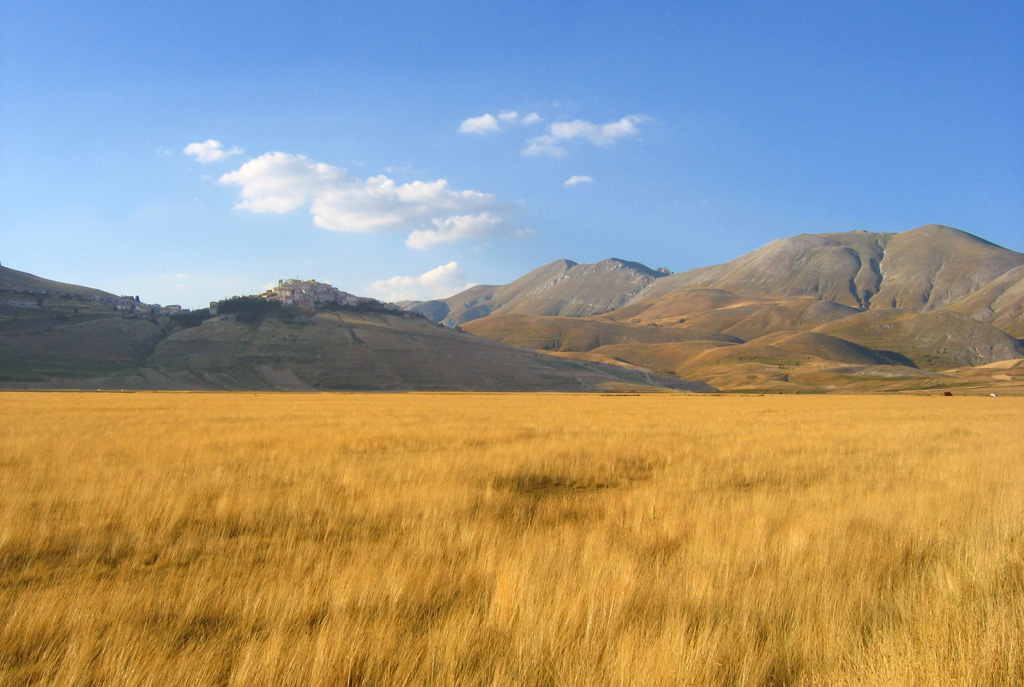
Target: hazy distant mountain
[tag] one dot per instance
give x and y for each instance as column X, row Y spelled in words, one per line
column 562, row 287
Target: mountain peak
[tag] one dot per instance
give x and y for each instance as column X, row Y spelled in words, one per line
column 945, row 233
column 619, row 263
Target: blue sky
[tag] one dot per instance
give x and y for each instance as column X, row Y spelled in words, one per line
column 405, row 150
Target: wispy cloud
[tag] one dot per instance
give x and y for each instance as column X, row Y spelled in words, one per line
column 552, row 143
column 439, row 282
column 578, row 179
column 431, row 211
column 487, row 123
column 210, row 151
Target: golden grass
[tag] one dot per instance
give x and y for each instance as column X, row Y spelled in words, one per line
column 432, row 539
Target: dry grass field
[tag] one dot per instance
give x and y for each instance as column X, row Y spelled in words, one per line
column 446, row 539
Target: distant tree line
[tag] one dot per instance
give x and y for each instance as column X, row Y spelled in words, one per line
column 193, row 318
column 247, row 308
column 252, row 308
column 368, row 305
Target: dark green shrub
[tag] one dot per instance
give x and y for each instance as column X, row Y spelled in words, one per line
column 247, row 308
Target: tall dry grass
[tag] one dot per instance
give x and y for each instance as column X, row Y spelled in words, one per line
column 235, row 539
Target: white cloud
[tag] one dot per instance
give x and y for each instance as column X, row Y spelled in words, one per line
column 578, row 179
column 439, row 282
column 210, row 151
column 431, row 210
column 487, row 123
column 551, row 143
column 454, row 229
column 279, row 182
column 479, row 125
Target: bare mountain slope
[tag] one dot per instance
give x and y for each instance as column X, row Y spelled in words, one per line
column 921, row 269
column 562, row 288
column 815, row 307
column 932, row 266
column 999, row 303
column 842, row 268
column 926, row 268
column 745, row 317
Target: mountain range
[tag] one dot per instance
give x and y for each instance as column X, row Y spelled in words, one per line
column 926, row 308
column 929, row 308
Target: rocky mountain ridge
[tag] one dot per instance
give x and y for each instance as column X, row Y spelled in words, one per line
column 562, row 287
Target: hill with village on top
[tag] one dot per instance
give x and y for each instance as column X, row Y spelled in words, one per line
column 302, row 335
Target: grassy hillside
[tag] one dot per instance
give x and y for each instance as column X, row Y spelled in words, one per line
column 373, row 351
column 580, row 334
column 934, row 340
column 50, row 329
column 867, row 351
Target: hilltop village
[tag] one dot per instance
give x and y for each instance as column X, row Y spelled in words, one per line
column 24, row 292
column 307, row 293
column 310, row 293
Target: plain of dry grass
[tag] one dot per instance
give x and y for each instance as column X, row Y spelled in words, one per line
column 464, row 539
